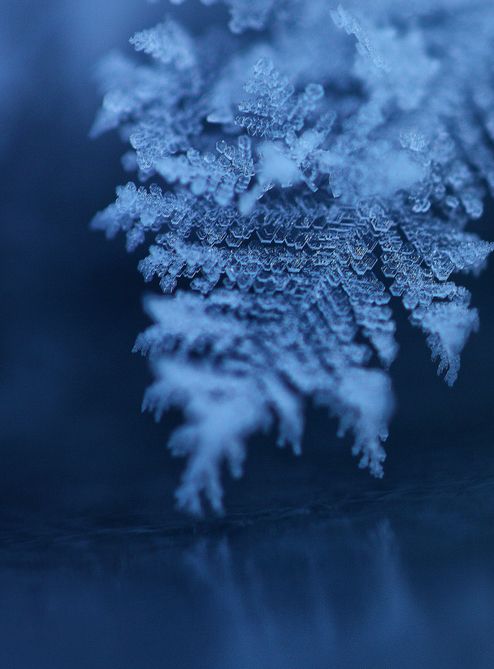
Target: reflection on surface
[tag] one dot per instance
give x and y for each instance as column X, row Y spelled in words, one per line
column 408, row 585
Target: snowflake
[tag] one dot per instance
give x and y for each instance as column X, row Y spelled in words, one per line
column 295, row 184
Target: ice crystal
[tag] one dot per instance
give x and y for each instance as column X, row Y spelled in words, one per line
column 296, row 183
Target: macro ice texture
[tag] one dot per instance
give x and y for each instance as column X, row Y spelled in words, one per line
column 300, row 172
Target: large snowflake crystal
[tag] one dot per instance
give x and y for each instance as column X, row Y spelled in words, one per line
column 297, row 181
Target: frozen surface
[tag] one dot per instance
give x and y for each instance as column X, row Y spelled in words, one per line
column 396, row 577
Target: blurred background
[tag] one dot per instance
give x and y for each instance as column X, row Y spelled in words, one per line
column 315, row 564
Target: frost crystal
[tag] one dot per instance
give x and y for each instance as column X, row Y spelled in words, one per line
column 295, row 186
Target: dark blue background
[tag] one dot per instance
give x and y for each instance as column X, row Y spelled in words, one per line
column 316, row 563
